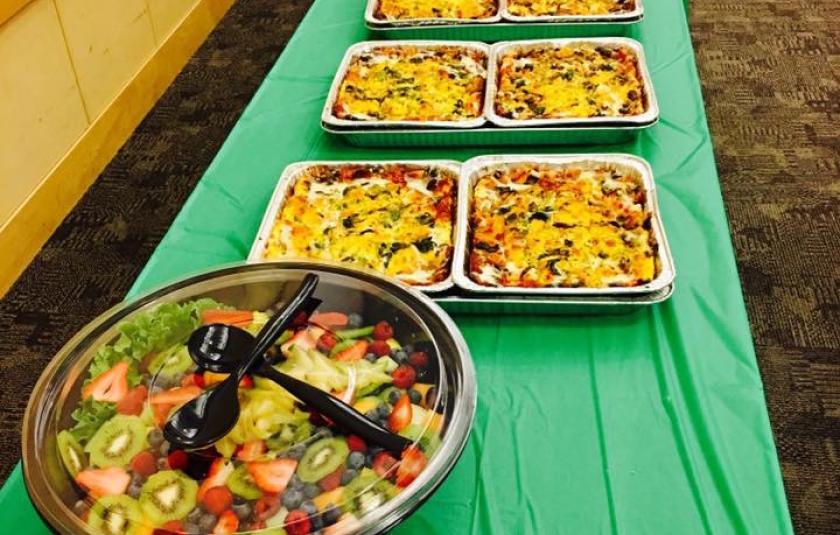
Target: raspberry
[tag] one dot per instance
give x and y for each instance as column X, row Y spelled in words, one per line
column 144, row 463
column 382, row 331
column 326, row 342
column 380, row 348
column 356, row 443
column 178, row 460
column 297, row 523
column 419, row 359
column 404, row 376
column 217, row 500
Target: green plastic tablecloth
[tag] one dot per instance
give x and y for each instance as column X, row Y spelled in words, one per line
column 649, row 423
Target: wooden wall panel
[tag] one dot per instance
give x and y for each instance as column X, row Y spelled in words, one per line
column 91, row 147
column 167, row 14
column 9, row 8
column 41, row 112
column 109, row 41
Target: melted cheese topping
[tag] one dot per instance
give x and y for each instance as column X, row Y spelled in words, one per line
column 396, row 219
column 580, row 80
column 432, row 83
column 552, row 8
column 561, row 226
column 435, row 9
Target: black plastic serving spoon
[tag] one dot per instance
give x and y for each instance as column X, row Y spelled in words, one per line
column 217, row 348
column 210, row 416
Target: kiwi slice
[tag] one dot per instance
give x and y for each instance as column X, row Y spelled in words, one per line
column 242, row 484
column 172, row 362
column 167, row 496
column 117, row 441
column 322, row 458
column 367, row 492
column 71, row 452
column 429, row 440
column 115, row 515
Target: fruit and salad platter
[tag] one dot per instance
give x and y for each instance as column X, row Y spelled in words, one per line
column 283, row 469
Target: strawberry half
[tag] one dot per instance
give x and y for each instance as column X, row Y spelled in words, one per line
column 104, row 482
column 303, row 339
column 132, row 403
column 110, row 386
column 401, row 414
column 228, row 523
column 251, row 451
column 383, row 464
column 267, row 506
column 175, row 396
column 272, row 476
column 331, row 481
column 217, row 475
column 413, row 462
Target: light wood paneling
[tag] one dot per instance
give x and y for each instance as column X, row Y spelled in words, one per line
column 9, row 8
column 22, row 236
column 166, row 14
column 108, row 41
column 41, row 112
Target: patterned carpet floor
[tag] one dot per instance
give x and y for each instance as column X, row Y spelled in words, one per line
column 771, row 80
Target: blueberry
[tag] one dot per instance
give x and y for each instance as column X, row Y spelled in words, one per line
column 394, row 396
column 195, row 515
column 191, row 529
column 356, row 460
column 348, row 476
column 134, row 490
column 384, row 410
column 296, row 451
column 370, row 357
column 207, row 522
column 354, row 321
column 414, row 396
column 155, row 437
column 400, row 356
column 408, row 348
column 242, row 511
column 310, row 490
column 295, row 483
column 372, row 415
column 292, row 498
column 308, row 508
column 331, row 515
column 316, row 522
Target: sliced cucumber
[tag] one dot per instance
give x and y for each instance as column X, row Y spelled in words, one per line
column 361, row 332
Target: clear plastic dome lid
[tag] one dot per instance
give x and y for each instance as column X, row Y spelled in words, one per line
column 96, row 460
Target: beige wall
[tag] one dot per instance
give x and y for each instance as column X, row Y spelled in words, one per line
column 62, row 62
